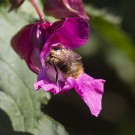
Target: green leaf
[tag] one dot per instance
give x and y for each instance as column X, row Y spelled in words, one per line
column 19, row 104
column 117, row 47
column 108, row 28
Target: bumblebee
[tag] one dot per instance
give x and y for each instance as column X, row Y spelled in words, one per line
column 67, row 61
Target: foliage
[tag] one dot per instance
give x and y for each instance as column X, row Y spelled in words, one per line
column 19, row 103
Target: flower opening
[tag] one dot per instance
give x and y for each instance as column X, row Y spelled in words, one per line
column 63, row 70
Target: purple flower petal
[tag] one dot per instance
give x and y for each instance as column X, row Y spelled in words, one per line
column 23, row 46
column 91, row 91
column 28, row 42
column 34, row 61
column 71, row 33
column 88, row 88
column 48, row 86
column 46, row 80
column 23, row 50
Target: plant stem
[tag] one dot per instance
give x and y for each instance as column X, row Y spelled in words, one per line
column 38, row 11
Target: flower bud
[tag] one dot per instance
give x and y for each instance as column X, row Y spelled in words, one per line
column 15, row 4
column 65, row 8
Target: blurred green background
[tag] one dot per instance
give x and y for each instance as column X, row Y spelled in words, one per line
column 109, row 54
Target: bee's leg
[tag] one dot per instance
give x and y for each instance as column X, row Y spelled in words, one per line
column 55, row 68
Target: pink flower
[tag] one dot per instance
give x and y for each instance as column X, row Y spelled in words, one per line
column 88, row 88
column 41, row 46
column 65, row 8
column 62, row 70
column 58, row 80
column 31, row 39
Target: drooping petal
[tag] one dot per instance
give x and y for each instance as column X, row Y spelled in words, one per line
column 21, row 42
column 46, row 82
column 91, row 91
column 48, row 86
column 28, row 42
column 23, row 45
column 52, row 87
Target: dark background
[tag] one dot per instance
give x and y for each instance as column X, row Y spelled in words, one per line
column 123, row 8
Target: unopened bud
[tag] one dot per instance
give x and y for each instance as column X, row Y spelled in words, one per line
column 65, row 8
column 15, row 4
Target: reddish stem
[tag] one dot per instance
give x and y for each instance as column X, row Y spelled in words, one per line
column 38, row 11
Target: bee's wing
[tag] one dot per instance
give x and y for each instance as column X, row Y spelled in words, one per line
column 67, row 55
